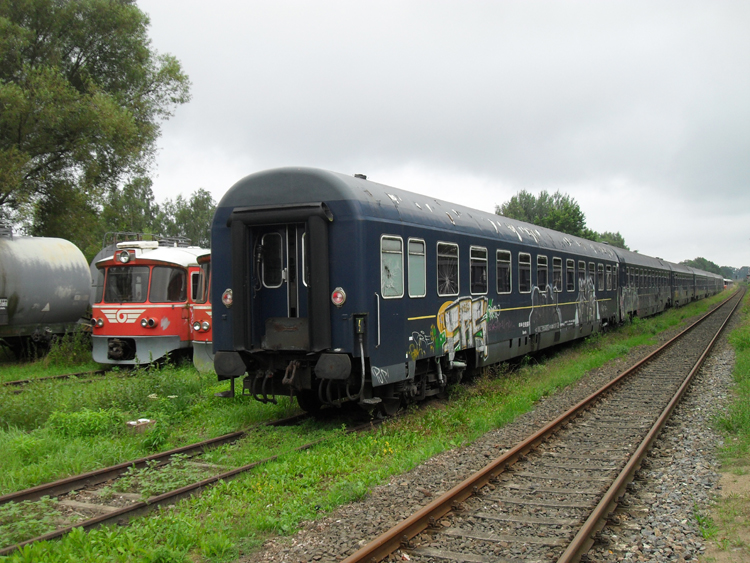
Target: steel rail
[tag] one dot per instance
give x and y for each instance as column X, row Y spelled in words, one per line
column 142, row 507
column 19, row 382
column 97, row 476
column 595, row 522
column 401, row 533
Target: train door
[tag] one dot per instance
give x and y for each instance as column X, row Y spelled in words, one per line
column 279, row 265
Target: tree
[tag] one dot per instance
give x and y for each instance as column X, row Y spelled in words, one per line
column 557, row 211
column 82, row 95
column 188, row 218
column 703, row 264
column 612, row 239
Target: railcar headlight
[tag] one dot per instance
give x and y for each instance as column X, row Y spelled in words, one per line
column 226, row 298
column 196, row 326
column 144, row 323
column 123, row 256
column 338, row 297
column 148, row 323
column 205, row 325
column 100, row 323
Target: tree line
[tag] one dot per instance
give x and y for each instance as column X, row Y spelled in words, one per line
column 82, row 98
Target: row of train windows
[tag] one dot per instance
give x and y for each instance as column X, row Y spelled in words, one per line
column 644, row 278
column 448, row 280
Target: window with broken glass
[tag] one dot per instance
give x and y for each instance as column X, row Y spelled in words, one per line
column 447, row 269
column 391, row 267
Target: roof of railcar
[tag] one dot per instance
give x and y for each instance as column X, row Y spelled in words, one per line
column 368, row 199
column 179, row 256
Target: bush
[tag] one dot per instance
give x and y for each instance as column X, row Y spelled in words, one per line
column 87, row 422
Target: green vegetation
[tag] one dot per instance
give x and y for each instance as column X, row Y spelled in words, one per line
column 235, row 517
column 731, row 514
column 557, row 211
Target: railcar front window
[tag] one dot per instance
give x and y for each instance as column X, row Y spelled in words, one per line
column 99, row 285
column 126, row 284
column 168, row 285
column 273, row 260
column 524, row 272
column 557, row 274
column 478, row 270
column 417, row 268
column 504, row 281
column 391, row 267
column 447, row 269
column 570, row 275
column 542, row 273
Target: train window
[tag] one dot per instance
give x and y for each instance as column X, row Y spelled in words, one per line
column 417, row 268
column 194, row 286
column 504, row 281
column 592, row 274
column 570, row 275
column 391, row 267
column 447, row 268
column 600, row 277
column 581, row 275
column 99, row 285
column 273, row 260
column 542, row 273
column 203, row 289
column 478, row 270
column 168, row 285
column 126, row 284
column 524, row 272
column 557, row 274
column 609, row 277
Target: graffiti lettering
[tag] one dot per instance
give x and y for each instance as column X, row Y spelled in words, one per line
column 379, row 376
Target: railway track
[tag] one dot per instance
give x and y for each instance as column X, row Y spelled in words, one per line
column 86, row 485
column 547, row 498
column 22, row 382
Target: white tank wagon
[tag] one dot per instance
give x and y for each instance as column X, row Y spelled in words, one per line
column 44, row 289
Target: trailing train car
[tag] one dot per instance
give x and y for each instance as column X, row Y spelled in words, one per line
column 333, row 287
column 200, row 318
column 44, row 289
column 141, row 310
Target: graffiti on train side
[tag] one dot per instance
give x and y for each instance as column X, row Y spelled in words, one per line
column 587, row 307
column 462, row 324
column 422, row 344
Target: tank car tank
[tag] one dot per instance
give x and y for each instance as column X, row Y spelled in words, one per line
column 44, row 288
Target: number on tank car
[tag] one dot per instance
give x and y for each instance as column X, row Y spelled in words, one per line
column 524, row 324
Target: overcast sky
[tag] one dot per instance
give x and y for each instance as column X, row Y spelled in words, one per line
column 638, row 110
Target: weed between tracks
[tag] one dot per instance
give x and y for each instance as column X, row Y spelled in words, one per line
column 235, row 517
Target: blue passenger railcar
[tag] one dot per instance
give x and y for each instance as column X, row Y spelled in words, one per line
column 644, row 284
column 329, row 287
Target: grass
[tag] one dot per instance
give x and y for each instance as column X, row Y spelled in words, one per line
column 68, row 354
column 731, row 514
column 235, row 517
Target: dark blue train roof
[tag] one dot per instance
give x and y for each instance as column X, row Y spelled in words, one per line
column 364, row 199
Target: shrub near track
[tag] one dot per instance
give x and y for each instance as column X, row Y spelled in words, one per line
column 237, row 516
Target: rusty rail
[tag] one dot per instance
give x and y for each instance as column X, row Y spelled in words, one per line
column 390, row 541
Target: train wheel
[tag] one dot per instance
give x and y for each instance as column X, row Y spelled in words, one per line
column 308, row 400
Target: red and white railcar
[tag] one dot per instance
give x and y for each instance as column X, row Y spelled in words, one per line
column 201, row 320
column 142, row 307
